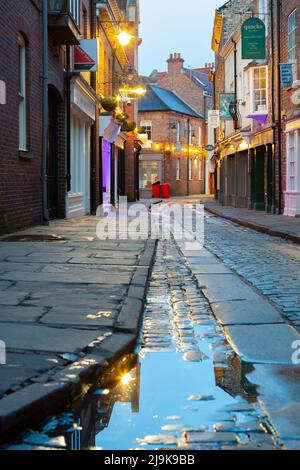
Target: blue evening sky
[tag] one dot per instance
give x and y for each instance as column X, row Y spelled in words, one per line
column 183, row 26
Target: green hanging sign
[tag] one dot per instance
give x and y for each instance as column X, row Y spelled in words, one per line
column 253, row 39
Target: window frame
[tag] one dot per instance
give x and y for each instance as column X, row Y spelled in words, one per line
column 200, row 136
column 263, row 12
column 190, row 169
column 253, row 90
column 22, row 93
column 177, row 169
column 292, row 33
column 199, row 170
column 178, row 133
column 75, row 10
column 147, row 131
column 293, row 147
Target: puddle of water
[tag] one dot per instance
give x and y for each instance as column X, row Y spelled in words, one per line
column 182, row 384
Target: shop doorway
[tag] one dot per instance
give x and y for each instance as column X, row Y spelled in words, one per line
column 107, row 172
column 259, row 178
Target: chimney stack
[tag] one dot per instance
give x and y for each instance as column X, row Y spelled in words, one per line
column 175, row 63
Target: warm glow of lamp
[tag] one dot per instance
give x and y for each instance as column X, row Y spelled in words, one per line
column 126, row 379
column 124, row 38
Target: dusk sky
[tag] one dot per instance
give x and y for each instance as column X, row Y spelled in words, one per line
column 176, row 26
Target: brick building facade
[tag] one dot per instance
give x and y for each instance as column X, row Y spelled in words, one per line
column 290, row 52
column 252, row 166
column 172, row 152
column 51, row 162
column 20, row 169
column 194, row 89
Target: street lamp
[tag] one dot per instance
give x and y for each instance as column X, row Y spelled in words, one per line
column 124, row 38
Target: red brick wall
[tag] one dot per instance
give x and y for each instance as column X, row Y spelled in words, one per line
column 20, row 187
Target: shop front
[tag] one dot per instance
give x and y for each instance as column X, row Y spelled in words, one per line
column 262, row 171
column 292, row 193
column 83, row 115
column 150, row 171
column 112, row 143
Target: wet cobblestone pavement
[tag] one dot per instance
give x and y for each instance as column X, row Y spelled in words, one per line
column 184, row 388
column 270, row 264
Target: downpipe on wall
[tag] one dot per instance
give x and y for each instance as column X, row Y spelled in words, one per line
column 45, row 81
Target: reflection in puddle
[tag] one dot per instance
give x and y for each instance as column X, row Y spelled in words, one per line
column 183, row 388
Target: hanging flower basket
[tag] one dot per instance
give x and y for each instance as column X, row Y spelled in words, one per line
column 109, row 104
column 128, row 126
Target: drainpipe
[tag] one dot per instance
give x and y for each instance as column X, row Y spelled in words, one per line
column 45, row 80
column 279, row 106
column 273, row 108
column 235, row 119
column 235, row 81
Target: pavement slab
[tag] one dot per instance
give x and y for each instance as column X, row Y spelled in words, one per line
column 263, row 343
column 245, row 312
column 20, row 313
column 22, row 367
column 94, row 317
column 44, row 338
column 12, row 298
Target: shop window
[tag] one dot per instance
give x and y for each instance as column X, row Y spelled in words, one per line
column 149, row 173
column 259, row 90
column 291, row 161
column 22, row 51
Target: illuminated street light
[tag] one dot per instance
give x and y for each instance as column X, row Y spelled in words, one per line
column 124, row 38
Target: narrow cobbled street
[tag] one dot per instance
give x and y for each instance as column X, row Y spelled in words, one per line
column 185, row 386
column 270, row 264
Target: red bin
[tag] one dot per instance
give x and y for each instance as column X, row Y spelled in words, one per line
column 156, row 191
column 165, row 191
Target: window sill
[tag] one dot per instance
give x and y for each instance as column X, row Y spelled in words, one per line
column 25, row 155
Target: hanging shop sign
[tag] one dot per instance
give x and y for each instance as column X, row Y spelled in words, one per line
column 254, row 39
column 86, row 56
column 213, row 118
column 226, row 99
column 218, row 26
column 286, row 75
column 209, row 148
column 2, row 92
